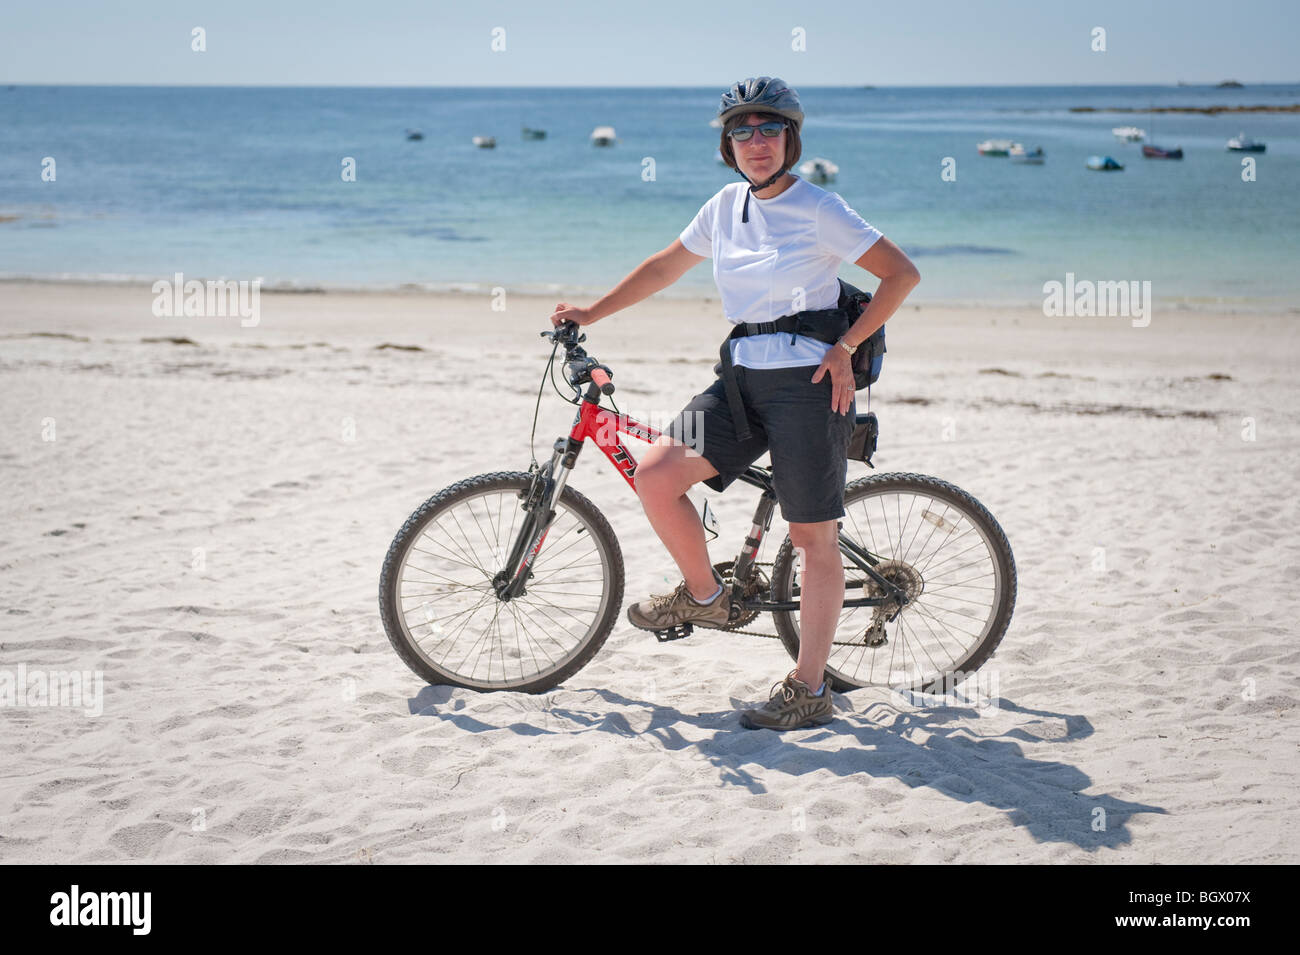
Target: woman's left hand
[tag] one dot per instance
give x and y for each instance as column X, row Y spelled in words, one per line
column 840, row 365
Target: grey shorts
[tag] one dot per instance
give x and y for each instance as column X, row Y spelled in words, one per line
column 791, row 418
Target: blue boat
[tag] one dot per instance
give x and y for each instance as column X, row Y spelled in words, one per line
column 1103, row 163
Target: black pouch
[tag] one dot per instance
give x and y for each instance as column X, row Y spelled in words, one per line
column 862, row 443
column 870, row 356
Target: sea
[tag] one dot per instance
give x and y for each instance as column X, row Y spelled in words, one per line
column 323, row 188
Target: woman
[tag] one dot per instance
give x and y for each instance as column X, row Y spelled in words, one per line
column 777, row 246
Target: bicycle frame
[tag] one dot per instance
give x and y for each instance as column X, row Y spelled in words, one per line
column 603, row 427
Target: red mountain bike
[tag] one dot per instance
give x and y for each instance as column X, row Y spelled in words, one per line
column 513, row 580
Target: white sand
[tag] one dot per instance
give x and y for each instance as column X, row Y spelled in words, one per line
column 253, row 710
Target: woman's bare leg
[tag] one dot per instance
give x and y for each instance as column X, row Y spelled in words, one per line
column 821, row 596
column 663, row 476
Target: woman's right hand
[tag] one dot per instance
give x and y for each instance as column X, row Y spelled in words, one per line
column 564, row 312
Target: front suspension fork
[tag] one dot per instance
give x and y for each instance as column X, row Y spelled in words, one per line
column 539, row 506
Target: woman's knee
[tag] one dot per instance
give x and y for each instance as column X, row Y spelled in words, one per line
column 819, row 542
column 665, row 471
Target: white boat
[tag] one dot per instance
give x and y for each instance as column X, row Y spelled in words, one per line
column 1032, row 157
column 1129, row 134
column 995, row 147
column 1241, row 143
column 818, row 169
column 603, row 136
column 485, row 142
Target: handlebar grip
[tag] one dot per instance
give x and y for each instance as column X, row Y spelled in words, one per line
column 601, row 379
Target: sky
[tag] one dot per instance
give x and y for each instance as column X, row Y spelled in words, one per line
column 647, row 42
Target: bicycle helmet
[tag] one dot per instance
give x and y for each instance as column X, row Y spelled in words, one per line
column 761, row 94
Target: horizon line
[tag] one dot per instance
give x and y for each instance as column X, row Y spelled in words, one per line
column 1179, row 84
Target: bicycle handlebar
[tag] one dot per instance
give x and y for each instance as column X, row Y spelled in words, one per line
column 580, row 367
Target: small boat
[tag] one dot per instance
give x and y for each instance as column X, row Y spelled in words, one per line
column 1129, row 134
column 1241, row 143
column 1103, row 163
column 529, row 133
column 485, row 142
column 819, row 170
column 1031, row 157
column 603, row 136
column 414, row 135
column 995, row 147
column 1159, row 152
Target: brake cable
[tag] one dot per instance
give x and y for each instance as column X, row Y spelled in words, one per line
column 537, row 408
column 575, row 399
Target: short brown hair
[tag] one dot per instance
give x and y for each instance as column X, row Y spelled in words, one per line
column 793, row 144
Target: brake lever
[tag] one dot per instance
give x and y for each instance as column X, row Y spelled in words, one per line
column 565, row 331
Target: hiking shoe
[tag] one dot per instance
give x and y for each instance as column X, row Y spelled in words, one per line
column 672, row 610
column 791, row 706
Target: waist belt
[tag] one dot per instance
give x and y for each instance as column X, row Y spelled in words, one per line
column 823, row 324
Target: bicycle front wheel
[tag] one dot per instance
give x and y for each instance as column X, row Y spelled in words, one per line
column 945, row 550
column 445, row 618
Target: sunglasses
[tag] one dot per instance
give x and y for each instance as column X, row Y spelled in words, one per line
column 770, row 130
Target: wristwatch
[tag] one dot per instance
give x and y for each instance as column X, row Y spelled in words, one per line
column 846, row 346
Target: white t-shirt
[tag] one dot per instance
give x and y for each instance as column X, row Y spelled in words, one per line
column 794, row 241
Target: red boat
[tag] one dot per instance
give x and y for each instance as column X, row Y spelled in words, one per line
column 1158, row 152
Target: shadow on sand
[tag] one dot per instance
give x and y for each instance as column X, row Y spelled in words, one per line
column 935, row 747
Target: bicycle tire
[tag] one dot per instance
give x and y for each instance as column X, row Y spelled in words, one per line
column 451, row 581
column 853, row 664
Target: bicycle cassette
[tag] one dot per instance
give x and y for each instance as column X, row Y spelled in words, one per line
column 903, row 576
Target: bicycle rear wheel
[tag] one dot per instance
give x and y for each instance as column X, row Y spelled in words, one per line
column 945, row 549
column 445, row 618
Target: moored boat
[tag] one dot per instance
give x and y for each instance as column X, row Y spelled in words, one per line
column 485, row 142
column 1241, row 143
column 1104, row 163
column 603, row 136
column 1129, row 134
column 994, row 147
column 1031, row 157
column 1159, row 152
column 819, row 170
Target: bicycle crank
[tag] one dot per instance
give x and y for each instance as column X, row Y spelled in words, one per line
column 757, row 589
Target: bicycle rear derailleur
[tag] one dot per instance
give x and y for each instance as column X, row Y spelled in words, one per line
column 901, row 575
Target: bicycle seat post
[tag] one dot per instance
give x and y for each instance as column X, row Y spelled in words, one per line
column 749, row 550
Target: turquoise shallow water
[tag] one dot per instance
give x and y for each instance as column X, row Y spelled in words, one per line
column 245, row 182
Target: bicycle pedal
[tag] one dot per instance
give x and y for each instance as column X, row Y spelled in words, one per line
column 674, row 633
